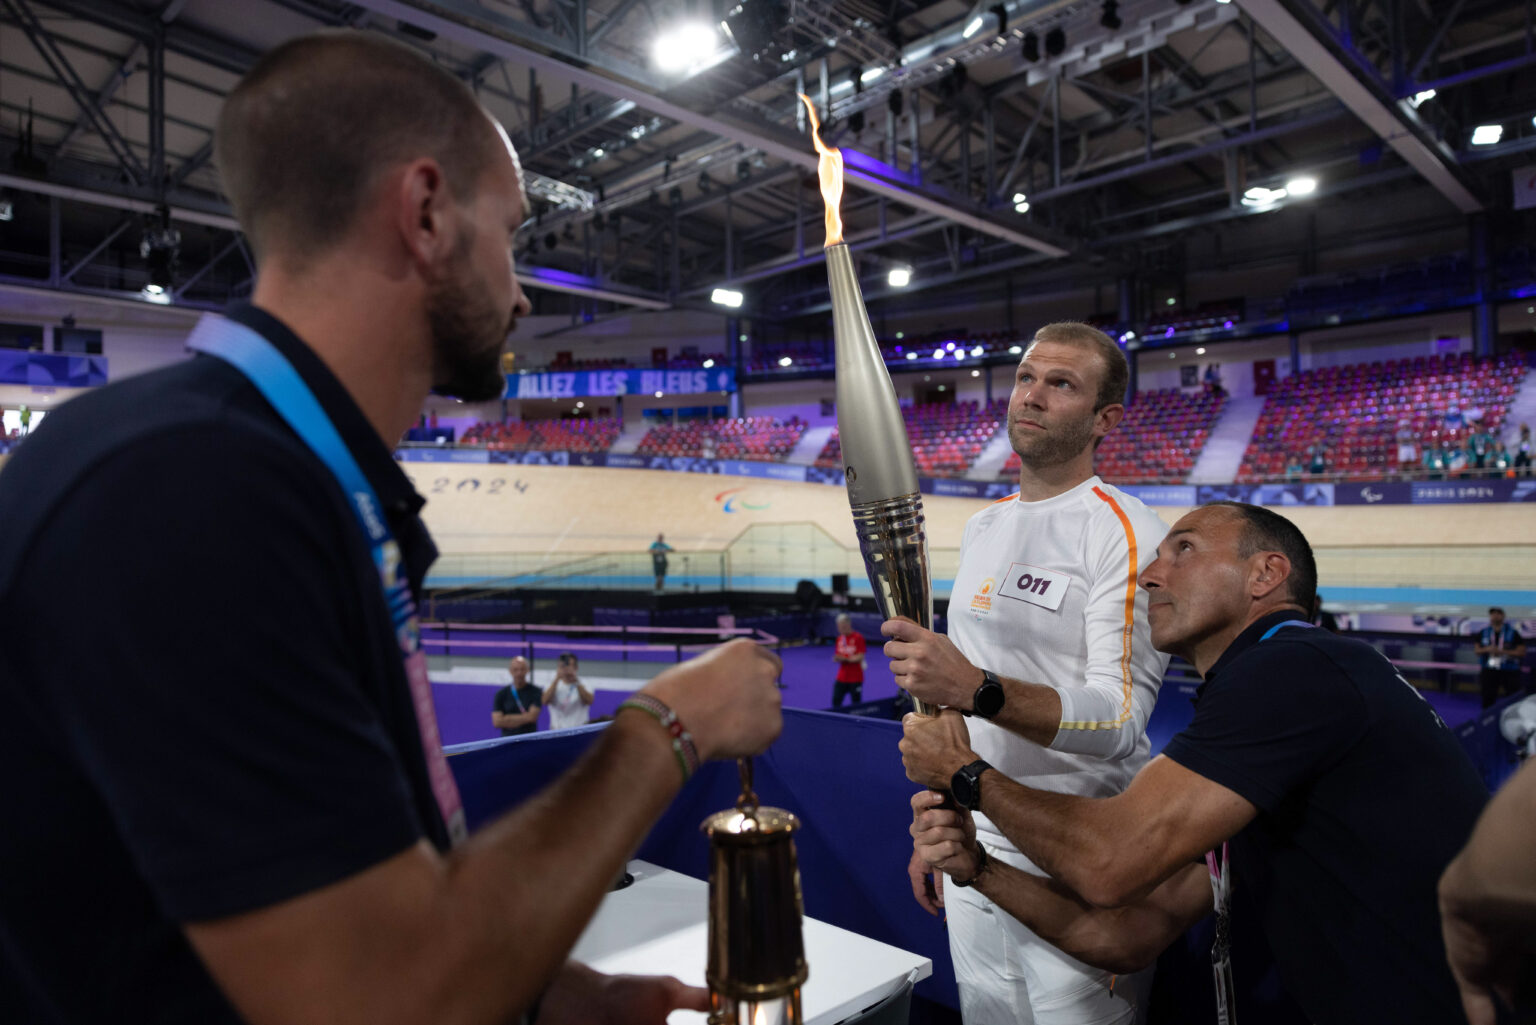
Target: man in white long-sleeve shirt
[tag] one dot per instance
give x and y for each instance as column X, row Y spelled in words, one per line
column 1050, row 653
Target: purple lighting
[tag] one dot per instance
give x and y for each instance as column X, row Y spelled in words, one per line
column 1168, row 333
column 1227, row 324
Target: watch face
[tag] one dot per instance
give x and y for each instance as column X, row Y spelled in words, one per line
column 963, row 789
column 989, row 699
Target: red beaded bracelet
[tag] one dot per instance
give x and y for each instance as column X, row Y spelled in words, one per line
column 682, row 741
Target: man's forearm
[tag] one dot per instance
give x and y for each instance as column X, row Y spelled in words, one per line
column 1494, row 877
column 1121, row 940
column 1070, row 838
column 496, row 904
column 1032, row 710
column 424, row 936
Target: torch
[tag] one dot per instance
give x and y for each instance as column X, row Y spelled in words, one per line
column 877, row 455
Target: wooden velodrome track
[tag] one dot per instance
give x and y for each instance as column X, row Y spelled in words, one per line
column 477, row 509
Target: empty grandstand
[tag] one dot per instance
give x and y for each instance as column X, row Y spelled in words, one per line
column 1364, row 419
column 562, row 435
column 946, row 439
column 757, row 438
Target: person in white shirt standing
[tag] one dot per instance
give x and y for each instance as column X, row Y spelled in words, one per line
column 569, row 703
column 1048, row 649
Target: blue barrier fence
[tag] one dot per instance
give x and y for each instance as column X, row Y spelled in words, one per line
column 842, row 776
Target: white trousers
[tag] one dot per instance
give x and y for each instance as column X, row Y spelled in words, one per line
column 1008, row 975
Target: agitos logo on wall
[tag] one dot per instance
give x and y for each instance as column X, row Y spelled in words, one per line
column 742, row 500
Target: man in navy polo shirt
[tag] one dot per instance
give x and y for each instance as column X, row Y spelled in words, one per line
column 1501, row 650
column 515, row 708
column 1329, row 793
column 225, row 795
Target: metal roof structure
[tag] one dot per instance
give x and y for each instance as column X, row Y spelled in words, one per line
column 1002, row 144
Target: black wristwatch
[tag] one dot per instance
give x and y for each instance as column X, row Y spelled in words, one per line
column 982, row 861
column 965, row 785
column 988, row 700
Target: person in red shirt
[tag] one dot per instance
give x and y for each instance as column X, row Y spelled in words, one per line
column 849, row 656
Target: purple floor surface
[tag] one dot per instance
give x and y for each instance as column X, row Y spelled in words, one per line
column 464, row 710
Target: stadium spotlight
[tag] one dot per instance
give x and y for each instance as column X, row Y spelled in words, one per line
column 1303, row 186
column 785, row 361
column 1014, row 350
column 1418, row 99
column 161, row 250
column 708, row 364
column 899, row 277
column 1055, row 42
column 979, row 18
column 684, row 47
column 1487, row 135
column 1020, row 203
column 1031, row 47
column 726, row 297
column 1261, row 196
column 911, row 355
column 658, row 395
column 1110, row 18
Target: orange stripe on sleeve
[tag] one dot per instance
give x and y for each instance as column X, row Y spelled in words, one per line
column 1126, row 630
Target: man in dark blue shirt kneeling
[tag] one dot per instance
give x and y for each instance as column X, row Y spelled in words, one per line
column 1331, row 790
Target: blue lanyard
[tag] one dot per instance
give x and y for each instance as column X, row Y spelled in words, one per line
column 1221, row 894
column 1281, row 626
column 255, row 357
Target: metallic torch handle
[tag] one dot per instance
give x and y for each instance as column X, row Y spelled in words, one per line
column 894, row 544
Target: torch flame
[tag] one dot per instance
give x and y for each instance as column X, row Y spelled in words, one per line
column 830, row 170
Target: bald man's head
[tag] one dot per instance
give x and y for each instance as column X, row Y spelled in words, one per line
column 306, row 136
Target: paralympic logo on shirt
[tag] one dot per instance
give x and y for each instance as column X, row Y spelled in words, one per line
column 981, row 601
column 737, row 500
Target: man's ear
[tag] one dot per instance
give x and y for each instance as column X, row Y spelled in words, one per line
column 1106, row 419
column 1270, row 571
column 421, row 207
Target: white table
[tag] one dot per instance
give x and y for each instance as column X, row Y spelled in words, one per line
column 660, row 926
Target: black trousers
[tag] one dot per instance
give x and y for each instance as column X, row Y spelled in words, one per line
column 1495, row 683
column 853, row 690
